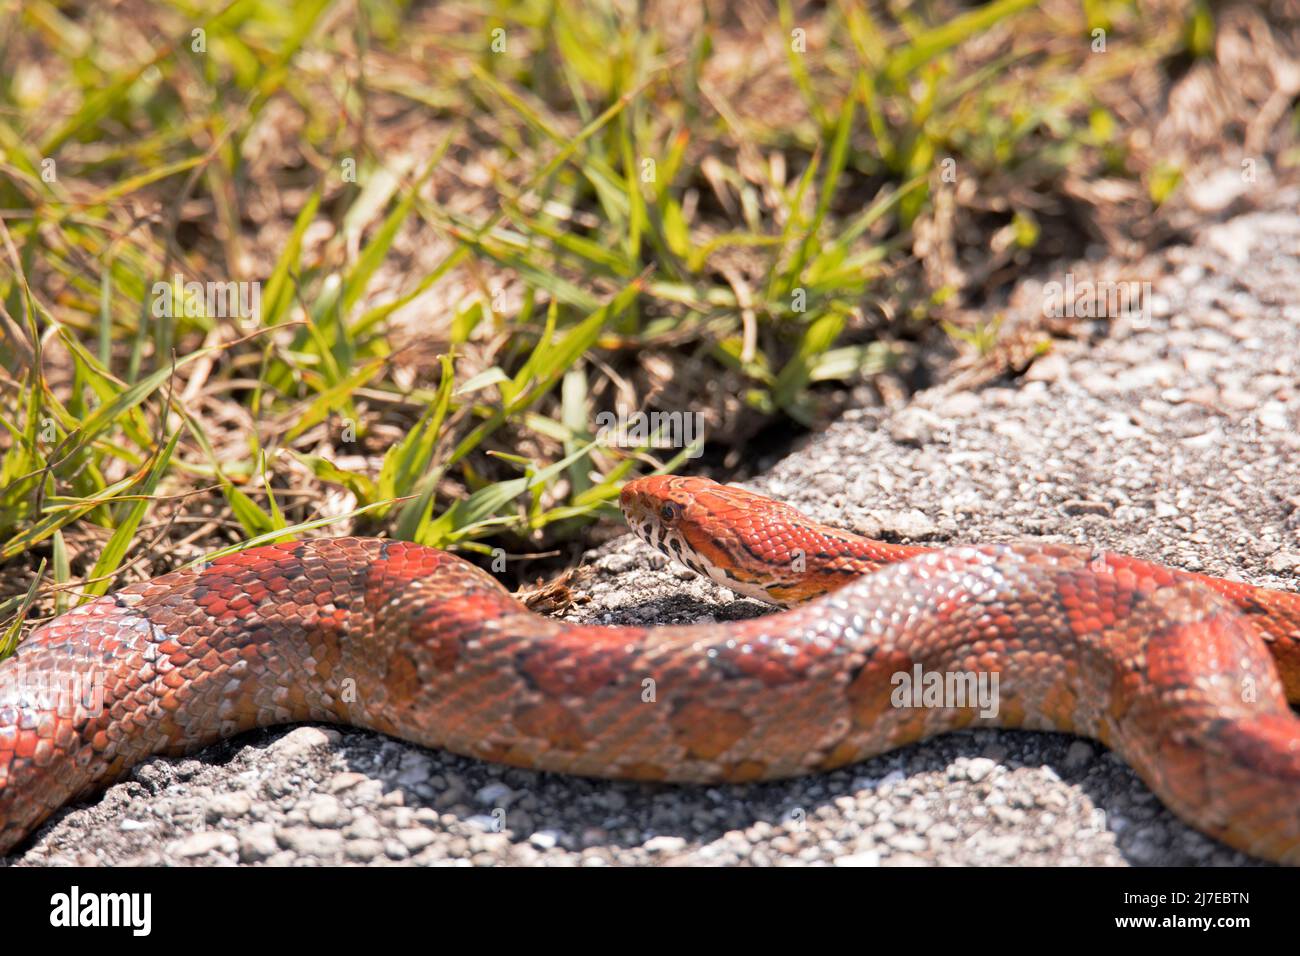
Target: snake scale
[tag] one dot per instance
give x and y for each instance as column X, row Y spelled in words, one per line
column 1186, row 677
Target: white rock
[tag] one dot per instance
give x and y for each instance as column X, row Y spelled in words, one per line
column 201, row 844
column 665, row 844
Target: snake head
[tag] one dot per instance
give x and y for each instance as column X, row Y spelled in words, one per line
column 661, row 508
column 711, row 528
column 753, row 545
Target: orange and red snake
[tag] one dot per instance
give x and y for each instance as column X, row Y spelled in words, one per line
column 1187, row 677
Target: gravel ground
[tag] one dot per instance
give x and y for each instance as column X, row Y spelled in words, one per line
column 1174, row 440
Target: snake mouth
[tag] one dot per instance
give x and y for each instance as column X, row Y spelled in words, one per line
column 644, row 523
column 635, row 514
column 638, row 515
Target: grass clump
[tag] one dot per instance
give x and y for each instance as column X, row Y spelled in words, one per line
column 471, row 227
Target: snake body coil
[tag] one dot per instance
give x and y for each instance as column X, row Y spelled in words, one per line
column 1174, row 671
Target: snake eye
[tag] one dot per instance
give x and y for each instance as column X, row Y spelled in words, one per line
column 669, row 511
